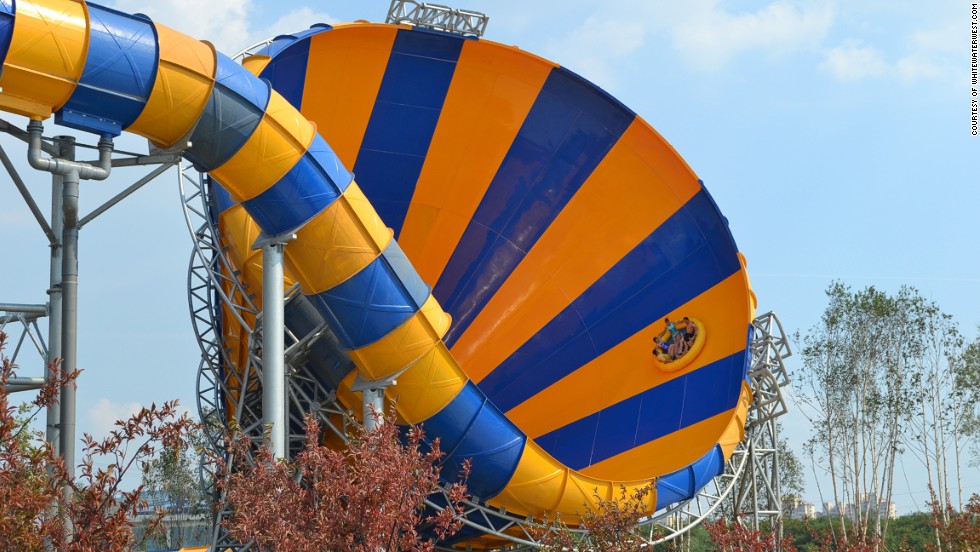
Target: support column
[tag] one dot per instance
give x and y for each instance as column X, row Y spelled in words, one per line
column 273, row 349
column 54, row 298
column 69, row 297
column 373, row 407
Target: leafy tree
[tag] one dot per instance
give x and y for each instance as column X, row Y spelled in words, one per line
column 736, row 537
column 967, row 373
column 173, row 487
column 42, row 505
column 957, row 530
column 863, row 371
column 610, row 527
column 368, row 496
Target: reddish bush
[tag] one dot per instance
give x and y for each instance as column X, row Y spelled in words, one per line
column 368, row 496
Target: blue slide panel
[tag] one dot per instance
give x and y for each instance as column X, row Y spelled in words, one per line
column 290, row 54
column 283, row 41
column 375, row 301
column 313, row 183
column 7, row 12
column 403, row 121
column 649, row 415
column 683, row 483
column 471, row 427
column 222, row 198
column 566, row 134
column 688, row 254
column 233, row 112
column 120, row 69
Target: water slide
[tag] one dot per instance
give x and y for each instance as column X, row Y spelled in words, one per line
column 512, row 242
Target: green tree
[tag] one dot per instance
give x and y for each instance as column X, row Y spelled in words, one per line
column 173, row 487
column 862, row 372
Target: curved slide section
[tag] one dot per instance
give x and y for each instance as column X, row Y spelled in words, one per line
column 103, row 71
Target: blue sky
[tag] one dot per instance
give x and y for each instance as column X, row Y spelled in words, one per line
column 833, row 135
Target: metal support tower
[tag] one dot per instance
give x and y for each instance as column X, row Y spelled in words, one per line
column 62, row 235
column 70, row 173
column 26, row 317
column 758, row 500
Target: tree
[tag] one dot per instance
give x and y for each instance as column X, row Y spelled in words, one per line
column 791, row 480
column 42, row 504
column 967, row 374
column 955, row 530
column 173, row 487
column 736, row 537
column 610, row 527
column 862, row 372
column 368, row 496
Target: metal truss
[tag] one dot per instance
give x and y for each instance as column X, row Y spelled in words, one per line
column 23, row 319
column 757, row 499
column 229, row 396
column 438, row 17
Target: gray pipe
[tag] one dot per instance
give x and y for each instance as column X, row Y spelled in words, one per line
column 65, row 149
column 273, row 349
column 99, row 171
column 71, row 172
column 69, row 296
column 373, row 408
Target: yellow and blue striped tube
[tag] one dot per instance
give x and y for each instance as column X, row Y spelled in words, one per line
column 270, row 159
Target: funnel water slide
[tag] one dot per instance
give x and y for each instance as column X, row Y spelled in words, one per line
column 555, row 228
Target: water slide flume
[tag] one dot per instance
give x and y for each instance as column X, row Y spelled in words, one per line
column 102, row 71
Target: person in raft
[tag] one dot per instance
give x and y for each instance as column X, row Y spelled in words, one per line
column 690, row 332
column 661, row 350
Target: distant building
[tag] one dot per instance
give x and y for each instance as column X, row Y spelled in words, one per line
column 868, row 502
column 797, row 508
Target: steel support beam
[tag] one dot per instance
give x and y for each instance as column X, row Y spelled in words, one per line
column 65, row 149
column 69, row 305
column 373, row 408
column 24, row 309
column 273, row 349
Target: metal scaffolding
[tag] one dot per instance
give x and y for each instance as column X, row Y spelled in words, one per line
column 438, row 17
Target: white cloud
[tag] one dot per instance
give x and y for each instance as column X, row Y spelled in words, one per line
column 293, row 21
column 853, row 61
column 702, row 31
column 225, row 23
column 915, row 67
column 222, row 22
column 710, row 36
column 103, row 415
column 947, row 39
column 591, row 48
column 930, row 55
